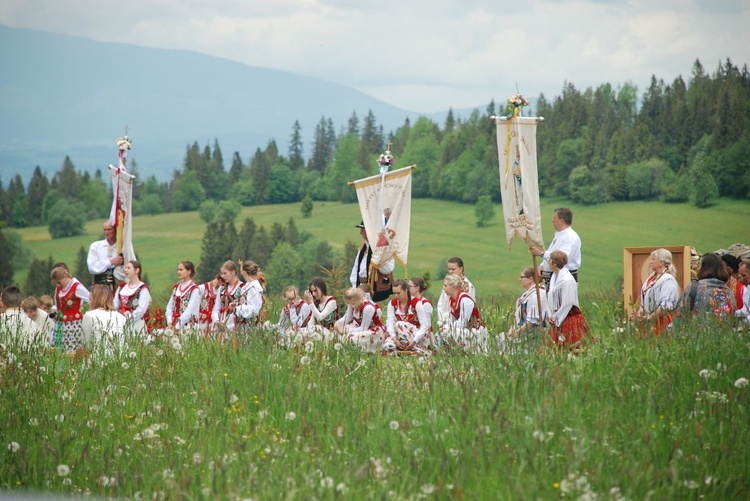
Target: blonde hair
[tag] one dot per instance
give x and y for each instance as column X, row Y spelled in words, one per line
column 59, row 272
column 30, row 304
column 665, row 256
column 101, row 298
column 253, row 270
column 353, row 293
column 291, row 288
column 457, row 282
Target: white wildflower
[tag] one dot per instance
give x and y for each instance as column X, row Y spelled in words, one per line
column 337, row 347
column 60, row 418
column 197, row 458
column 740, row 383
column 233, row 399
column 63, row 470
column 305, row 360
column 309, row 346
column 339, row 431
column 291, row 416
column 125, row 365
column 394, row 425
column 342, row 488
column 538, row 435
column 13, row 446
column 690, row 484
column 132, row 354
column 326, row 482
column 206, row 491
column 721, row 367
column 428, row 489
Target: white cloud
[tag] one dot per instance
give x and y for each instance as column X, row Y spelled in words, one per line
column 425, row 55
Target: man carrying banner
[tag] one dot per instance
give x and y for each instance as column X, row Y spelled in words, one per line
column 361, row 269
column 566, row 240
column 103, row 258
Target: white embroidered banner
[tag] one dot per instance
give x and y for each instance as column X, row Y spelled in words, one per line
column 385, row 204
column 519, row 182
column 121, row 214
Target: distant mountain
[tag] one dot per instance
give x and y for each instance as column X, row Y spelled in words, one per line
column 62, row 95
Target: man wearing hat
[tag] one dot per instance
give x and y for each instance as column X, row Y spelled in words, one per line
column 361, row 268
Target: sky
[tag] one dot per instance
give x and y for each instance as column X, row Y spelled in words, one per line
column 425, row 55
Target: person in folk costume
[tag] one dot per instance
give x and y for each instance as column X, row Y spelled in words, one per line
column 251, row 310
column 227, row 299
column 708, row 298
column 17, row 329
column 734, row 283
column 402, row 322
column 529, row 318
column 209, row 292
column 423, row 336
column 294, row 317
column 568, row 327
column 361, row 324
column 324, row 311
column 70, row 294
column 660, row 293
column 133, row 299
column 184, row 303
column 103, row 326
column 455, row 267
column 360, row 273
column 464, row 326
column 102, row 258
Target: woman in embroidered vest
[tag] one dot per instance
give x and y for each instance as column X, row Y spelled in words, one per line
column 209, row 292
column 293, row 318
column 402, row 322
column 251, row 308
column 568, row 327
column 361, row 324
column 69, row 295
column 133, row 299
column 463, row 326
column 103, row 325
column 423, row 336
column 659, row 294
column 227, row 299
column 183, row 306
column 529, row 317
column 324, row 311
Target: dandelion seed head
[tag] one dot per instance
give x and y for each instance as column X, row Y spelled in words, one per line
column 63, row 470
column 13, row 446
column 291, row 416
column 741, row 383
column 394, row 425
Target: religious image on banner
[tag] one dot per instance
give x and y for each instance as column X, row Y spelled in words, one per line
column 519, row 182
column 122, row 201
column 385, row 205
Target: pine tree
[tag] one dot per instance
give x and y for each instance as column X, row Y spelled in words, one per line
column 261, row 248
column 243, row 246
column 37, row 190
column 38, row 282
column 307, row 206
column 68, row 180
column 235, row 171
column 7, row 269
column 216, row 248
column 352, row 126
column 296, row 148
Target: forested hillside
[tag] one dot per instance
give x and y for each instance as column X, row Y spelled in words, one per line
column 684, row 140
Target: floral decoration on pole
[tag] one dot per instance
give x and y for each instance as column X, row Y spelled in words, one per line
column 516, row 102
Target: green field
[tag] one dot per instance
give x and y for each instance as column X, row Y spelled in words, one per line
column 439, row 230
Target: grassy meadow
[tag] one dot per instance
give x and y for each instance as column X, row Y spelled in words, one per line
column 630, row 418
column 440, row 229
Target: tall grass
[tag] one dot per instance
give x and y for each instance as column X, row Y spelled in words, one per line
column 629, row 418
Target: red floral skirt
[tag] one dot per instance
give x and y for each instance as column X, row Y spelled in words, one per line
column 572, row 331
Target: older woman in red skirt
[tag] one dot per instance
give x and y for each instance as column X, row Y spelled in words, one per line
column 568, row 327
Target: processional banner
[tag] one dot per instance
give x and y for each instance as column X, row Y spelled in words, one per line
column 519, row 182
column 121, row 214
column 385, row 205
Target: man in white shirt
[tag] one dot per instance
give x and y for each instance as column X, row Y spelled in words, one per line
column 566, row 240
column 743, row 314
column 16, row 328
column 361, row 267
column 455, row 267
column 103, row 257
